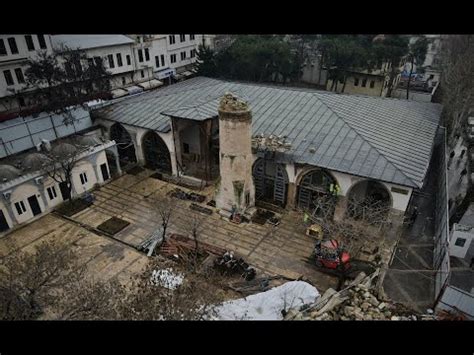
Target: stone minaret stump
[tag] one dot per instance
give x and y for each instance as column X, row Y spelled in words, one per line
column 235, row 190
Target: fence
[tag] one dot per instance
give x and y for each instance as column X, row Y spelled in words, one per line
column 441, row 244
column 23, row 133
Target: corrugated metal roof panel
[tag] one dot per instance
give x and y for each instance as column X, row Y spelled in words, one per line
column 387, row 139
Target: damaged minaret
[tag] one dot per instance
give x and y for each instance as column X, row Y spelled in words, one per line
column 235, row 191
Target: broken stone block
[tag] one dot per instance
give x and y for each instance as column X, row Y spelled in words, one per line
column 381, row 305
column 395, row 318
column 365, row 306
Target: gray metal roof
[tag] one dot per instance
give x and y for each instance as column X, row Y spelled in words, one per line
column 89, row 41
column 379, row 138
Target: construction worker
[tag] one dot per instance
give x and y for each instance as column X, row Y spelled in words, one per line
column 334, row 189
column 306, row 218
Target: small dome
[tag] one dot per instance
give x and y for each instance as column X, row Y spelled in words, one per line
column 34, row 161
column 63, row 149
column 89, row 141
column 8, row 172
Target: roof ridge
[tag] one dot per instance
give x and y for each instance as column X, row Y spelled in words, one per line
column 149, row 95
column 365, row 140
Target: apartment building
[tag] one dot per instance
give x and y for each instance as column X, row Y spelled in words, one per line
column 169, row 56
column 15, row 51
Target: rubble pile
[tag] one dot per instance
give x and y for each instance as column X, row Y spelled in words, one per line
column 357, row 301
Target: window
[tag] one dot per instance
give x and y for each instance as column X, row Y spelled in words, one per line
column 364, row 82
column 111, row 61
column 20, row 207
column 52, row 192
column 83, row 177
column 183, row 55
column 123, row 80
column 372, row 84
column 21, row 102
column 129, row 62
column 185, row 148
column 119, row 59
column 29, row 43
column 247, row 198
column 41, row 41
column 173, row 58
column 192, row 53
column 191, row 37
column 90, row 62
column 8, row 77
column 162, row 60
column 147, row 55
column 356, row 82
column 138, row 39
column 12, row 44
column 460, row 242
column 3, row 49
column 140, row 55
column 172, row 39
column 98, row 61
column 19, row 75
column 142, row 73
column 157, row 61
column 182, row 38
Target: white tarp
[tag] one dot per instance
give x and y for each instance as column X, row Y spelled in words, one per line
column 134, row 89
column 150, row 84
column 268, row 305
column 118, row 93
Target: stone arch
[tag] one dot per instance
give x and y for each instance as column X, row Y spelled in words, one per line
column 314, row 192
column 271, row 182
column 156, row 153
column 125, row 146
column 368, row 198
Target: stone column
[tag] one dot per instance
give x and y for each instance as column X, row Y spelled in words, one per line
column 291, row 195
column 341, row 207
column 235, row 189
column 95, row 166
column 11, row 214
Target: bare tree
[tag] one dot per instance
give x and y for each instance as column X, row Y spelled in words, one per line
column 28, row 281
column 194, row 227
column 61, row 161
column 52, row 283
column 64, row 78
column 457, row 64
column 165, row 208
column 194, row 299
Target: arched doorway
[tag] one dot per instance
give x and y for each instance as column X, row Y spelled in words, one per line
column 370, row 200
column 125, row 147
column 314, row 193
column 271, row 182
column 156, row 153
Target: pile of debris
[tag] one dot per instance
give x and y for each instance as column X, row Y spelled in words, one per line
column 357, row 301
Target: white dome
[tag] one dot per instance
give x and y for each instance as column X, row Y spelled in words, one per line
column 9, row 172
column 63, row 149
column 34, row 161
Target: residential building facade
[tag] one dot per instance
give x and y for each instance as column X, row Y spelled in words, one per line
column 15, row 51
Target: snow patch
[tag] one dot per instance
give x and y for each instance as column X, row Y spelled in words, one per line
column 167, row 278
column 268, row 305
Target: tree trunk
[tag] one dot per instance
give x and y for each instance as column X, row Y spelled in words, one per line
column 390, row 80
column 409, row 77
column 344, row 85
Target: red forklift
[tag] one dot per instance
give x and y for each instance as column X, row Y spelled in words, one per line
column 330, row 254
